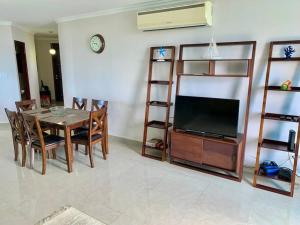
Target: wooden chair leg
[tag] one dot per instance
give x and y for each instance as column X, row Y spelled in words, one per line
column 90, row 150
column 44, row 161
column 54, row 153
column 16, row 149
column 86, row 151
column 76, row 147
column 32, row 151
column 23, row 154
column 103, row 147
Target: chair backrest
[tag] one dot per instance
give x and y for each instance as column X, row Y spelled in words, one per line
column 98, row 104
column 96, row 123
column 26, row 105
column 33, row 128
column 15, row 124
column 79, row 103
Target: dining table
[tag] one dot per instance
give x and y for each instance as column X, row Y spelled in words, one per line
column 66, row 119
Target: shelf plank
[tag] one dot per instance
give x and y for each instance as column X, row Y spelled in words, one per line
column 160, row 82
column 161, row 60
column 158, row 124
column 160, row 103
column 261, row 174
column 275, row 190
column 215, row 60
column 156, row 148
column 278, row 88
column 275, row 145
column 212, row 75
column 285, row 59
column 281, row 117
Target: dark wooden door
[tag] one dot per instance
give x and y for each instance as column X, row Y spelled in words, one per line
column 57, row 76
column 22, row 70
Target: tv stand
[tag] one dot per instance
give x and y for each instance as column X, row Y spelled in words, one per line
column 221, row 157
column 204, row 134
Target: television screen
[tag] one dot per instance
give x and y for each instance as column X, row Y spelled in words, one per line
column 207, row 115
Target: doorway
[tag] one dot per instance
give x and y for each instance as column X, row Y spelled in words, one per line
column 57, row 76
column 22, row 70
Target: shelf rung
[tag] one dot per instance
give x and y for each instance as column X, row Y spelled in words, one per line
column 161, row 60
column 158, row 124
column 285, row 59
column 156, row 148
column 160, row 103
column 278, row 88
column 281, row 117
column 278, row 191
column 212, row 75
column 160, row 82
column 275, row 145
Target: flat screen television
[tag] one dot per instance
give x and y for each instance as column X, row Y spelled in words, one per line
column 207, row 116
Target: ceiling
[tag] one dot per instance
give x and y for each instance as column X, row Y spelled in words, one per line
column 39, row 16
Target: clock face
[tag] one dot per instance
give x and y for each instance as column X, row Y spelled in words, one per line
column 97, row 43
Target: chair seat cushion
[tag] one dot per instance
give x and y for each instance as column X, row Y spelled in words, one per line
column 83, row 136
column 49, row 140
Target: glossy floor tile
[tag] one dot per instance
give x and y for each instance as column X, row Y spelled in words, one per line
column 128, row 189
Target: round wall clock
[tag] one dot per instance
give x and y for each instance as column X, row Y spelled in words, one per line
column 97, row 43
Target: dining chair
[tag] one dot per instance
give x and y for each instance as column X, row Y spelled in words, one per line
column 94, row 135
column 38, row 141
column 18, row 134
column 96, row 105
column 26, row 105
column 79, row 103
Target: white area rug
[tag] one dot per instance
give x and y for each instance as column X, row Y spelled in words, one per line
column 69, row 216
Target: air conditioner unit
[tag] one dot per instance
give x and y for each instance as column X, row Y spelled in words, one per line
column 176, row 17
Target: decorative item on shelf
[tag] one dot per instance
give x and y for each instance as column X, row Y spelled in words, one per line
column 291, row 140
column 162, row 53
column 269, row 168
column 155, row 143
column 212, row 50
column 286, row 86
column 289, row 51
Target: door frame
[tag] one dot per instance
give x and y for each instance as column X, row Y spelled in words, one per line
column 20, row 48
column 56, row 88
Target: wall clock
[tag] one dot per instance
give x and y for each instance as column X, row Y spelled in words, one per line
column 97, row 43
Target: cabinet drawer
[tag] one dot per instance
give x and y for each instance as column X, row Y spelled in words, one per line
column 220, row 155
column 186, row 147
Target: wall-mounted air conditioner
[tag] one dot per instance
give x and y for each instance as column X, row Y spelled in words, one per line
column 182, row 16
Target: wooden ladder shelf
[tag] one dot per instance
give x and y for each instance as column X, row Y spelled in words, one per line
column 211, row 72
column 164, row 125
column 274, row 144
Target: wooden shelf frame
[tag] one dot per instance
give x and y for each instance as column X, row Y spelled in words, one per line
column 275, row 144
column 164, row 125
column 211, row 73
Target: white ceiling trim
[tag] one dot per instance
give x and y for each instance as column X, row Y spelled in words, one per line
column 132, row 7
column 22, row 28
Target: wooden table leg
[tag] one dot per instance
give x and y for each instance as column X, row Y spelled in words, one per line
column 68, row 148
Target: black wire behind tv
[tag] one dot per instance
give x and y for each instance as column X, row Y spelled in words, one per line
column 207, row 116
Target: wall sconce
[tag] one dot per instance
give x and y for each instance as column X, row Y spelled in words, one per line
column 52, row 51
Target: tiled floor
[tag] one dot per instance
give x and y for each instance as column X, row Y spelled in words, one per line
column 128, row 189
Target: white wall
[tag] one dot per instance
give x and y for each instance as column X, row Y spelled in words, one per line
column 119, row 74
column 44, row 62
column 9, row 80
column 28, row 39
